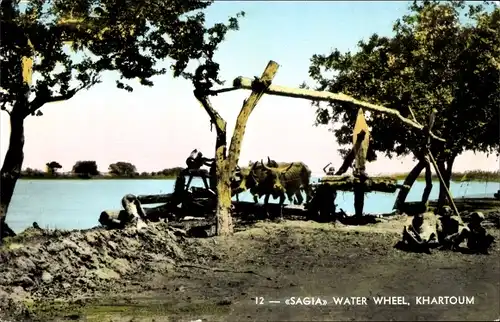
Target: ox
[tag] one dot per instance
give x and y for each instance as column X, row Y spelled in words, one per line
column 303, row 175
column 280, row 182
column 248, row 179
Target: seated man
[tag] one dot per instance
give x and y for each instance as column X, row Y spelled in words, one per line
column 420, row 235
column 194, row 162
column 450, row 229
column 478, row 240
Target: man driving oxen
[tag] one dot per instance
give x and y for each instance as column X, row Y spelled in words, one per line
column 194, row 163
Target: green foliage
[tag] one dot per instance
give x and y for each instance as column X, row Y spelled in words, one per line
column 52, row 167
column 434, row 60
column 123, row 169
column 85, row 168
column 171, row 172
column 129, row 36
column 29, row 172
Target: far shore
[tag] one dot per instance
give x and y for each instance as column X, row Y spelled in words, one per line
column 476, row 175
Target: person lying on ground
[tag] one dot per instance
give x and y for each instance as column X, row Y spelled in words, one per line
column 420, row 235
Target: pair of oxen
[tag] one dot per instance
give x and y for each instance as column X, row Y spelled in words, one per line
column 279, row 180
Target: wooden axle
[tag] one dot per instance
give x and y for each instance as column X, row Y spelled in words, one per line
column 348, row 183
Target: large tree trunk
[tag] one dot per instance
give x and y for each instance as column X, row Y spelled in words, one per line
column 223, row 211
column 428, row 182
column 445, row 167
column 409, row 181
column 11, row 170
column 226, row 164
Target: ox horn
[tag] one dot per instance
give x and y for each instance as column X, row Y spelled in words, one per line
column 265, row 166
column 268, row 160
column 288, row 168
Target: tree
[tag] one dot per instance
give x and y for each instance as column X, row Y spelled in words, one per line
column 52, row 167
column 122, row 169
column 129, row 37
column 433, row 61
column 225, row 160
column 86, row 169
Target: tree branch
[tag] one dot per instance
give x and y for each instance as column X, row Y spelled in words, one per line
column 259, row 86
column 220, row 123
column 41, row 100
column 3, row 108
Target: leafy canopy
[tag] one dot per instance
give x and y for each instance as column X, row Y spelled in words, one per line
column 122, row 168
column 433, row 60
column 127, row 36
column 86, row 168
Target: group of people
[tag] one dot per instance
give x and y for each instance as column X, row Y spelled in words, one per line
column 446, row 231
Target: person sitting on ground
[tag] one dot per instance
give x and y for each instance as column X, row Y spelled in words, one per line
column 419, row 235
column 478, row 240
column 450, row 229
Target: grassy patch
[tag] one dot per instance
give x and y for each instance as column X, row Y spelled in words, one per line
column 473, row 175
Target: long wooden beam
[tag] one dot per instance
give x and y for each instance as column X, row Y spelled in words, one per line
column 246, row 83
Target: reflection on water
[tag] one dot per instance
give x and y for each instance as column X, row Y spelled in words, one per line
column 70, row 204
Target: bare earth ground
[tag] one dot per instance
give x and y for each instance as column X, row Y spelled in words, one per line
column 218, row 279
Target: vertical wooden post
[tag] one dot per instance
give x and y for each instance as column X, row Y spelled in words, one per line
column 432, row 118
column 428, row 174
column 448, row 193
column 360, row 140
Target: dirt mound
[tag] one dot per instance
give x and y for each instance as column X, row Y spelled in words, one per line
column 38, row 264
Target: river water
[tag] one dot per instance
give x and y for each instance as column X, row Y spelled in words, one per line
column 77, row 204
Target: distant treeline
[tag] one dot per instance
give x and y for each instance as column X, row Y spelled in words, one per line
column 89, row 170
column 126, row 170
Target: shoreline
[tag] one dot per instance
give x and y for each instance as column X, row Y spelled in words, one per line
column 455, row 178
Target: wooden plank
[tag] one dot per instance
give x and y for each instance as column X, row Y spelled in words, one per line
column 246, row 83
column 160, row 198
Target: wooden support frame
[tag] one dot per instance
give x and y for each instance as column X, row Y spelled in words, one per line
column 359, row 156
column 258, row 89
column 246, row 83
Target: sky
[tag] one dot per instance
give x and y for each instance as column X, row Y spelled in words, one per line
column 157, row 127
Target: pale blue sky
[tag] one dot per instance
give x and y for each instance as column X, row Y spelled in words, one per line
column 157, row 127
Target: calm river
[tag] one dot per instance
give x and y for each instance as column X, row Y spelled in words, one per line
column 77, row 204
